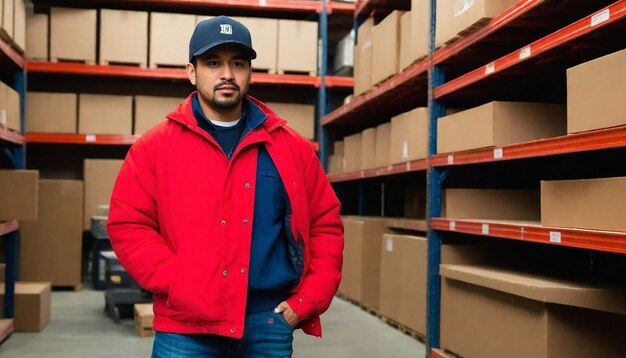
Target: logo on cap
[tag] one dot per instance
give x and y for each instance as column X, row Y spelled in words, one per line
column 226, row 29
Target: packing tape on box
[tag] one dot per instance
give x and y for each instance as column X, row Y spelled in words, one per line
column 461, row 6
column 389, row 245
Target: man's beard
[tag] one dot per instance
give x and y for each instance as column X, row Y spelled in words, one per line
column 227, row 103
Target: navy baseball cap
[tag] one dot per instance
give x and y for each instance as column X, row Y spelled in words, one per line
column 218, row 31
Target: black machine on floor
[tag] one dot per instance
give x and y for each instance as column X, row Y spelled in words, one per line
column 122, row 291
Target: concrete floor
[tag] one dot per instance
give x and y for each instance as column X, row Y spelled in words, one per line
column 79, row 328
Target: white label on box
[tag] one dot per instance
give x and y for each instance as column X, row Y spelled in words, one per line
column 485, row 229
column 461, row 6
column 90, row 138
column 555, row 236
column 366, row 45
column 525, row 53
column 405, row 150
column 490, row 68
column 389, row 245
column 451, row 159
column 452, row 226
column 262, row 2
column 498, row 153
column 600, row 17
column 3, row 119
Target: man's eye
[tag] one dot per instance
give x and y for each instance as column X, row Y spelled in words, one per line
column 212, row 63
column 238, row 64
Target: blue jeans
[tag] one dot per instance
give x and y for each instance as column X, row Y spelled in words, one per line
column 266, row 334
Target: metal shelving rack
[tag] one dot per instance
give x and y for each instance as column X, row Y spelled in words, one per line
column 322, row 83
column 12, row 143
column 532, row 37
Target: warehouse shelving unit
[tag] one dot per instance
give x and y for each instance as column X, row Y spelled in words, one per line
column 12, row 143
column 527, row 46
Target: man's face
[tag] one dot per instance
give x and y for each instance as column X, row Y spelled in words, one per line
column 222, row 77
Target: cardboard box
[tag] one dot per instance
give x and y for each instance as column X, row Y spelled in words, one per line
column 363, row 58
column 105, row 114
column 10, row 108
column 460, row 16
column 51, row 112
column 488, row 312
column 144, row 316
column 406, row 46
column 58, row 229
column 414, row 201
column 264, row 34
column 361, row 265
column 19, row 192
column 99, row 179
column 498, row 124
column 344, row 56
column 383, row 145
column 8, row 8
column 36, row 36
column 420, row 23
column 338, row 148
column 409, row 136
column 368, row 148
column 595, row 93
column 300, row 117
column 352, row 155
column 169, row 39
column 403, row 280
column 151, row 110
column 19, row 24
column 200, row 18
column 32, row 305
column 297, row 46
column 73, row 34
column 123, row 37
column 491, row 204
column 386, row 47
column 596, row 204
column 335, row 164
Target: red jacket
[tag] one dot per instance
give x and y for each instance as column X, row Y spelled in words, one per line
column 180, row 214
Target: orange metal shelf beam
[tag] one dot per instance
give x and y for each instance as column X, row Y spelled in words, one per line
column 385, row 89
column 438, row 353
column 101, row 139
column 94, row 139
column 586, row 239
column 408, row 167
column 9, row 136
column 174, row 74
column 8, row 227
column 365, row 7
column 572, row 143
column 599, row 19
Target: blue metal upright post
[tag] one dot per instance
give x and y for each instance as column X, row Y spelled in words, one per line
column 18, row 158
column 322, row 103
column 433, row 209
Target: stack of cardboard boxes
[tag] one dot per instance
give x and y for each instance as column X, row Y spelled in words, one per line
column 154, row 39
column 384, row 271
column 22, row 201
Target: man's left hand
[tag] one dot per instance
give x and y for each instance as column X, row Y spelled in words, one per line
column 290, row 316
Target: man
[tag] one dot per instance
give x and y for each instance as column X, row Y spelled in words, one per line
column 225, row 214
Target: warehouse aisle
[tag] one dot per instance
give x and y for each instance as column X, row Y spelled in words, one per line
column 79, row 328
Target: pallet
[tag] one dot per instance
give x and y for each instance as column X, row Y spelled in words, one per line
column 66, row 60
column 144, row 316
column 269, row 71
column 302, row 73
column 399, row 326
column 468, row 30
column 168, row 66
column 75, row 288
column 124, row 64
